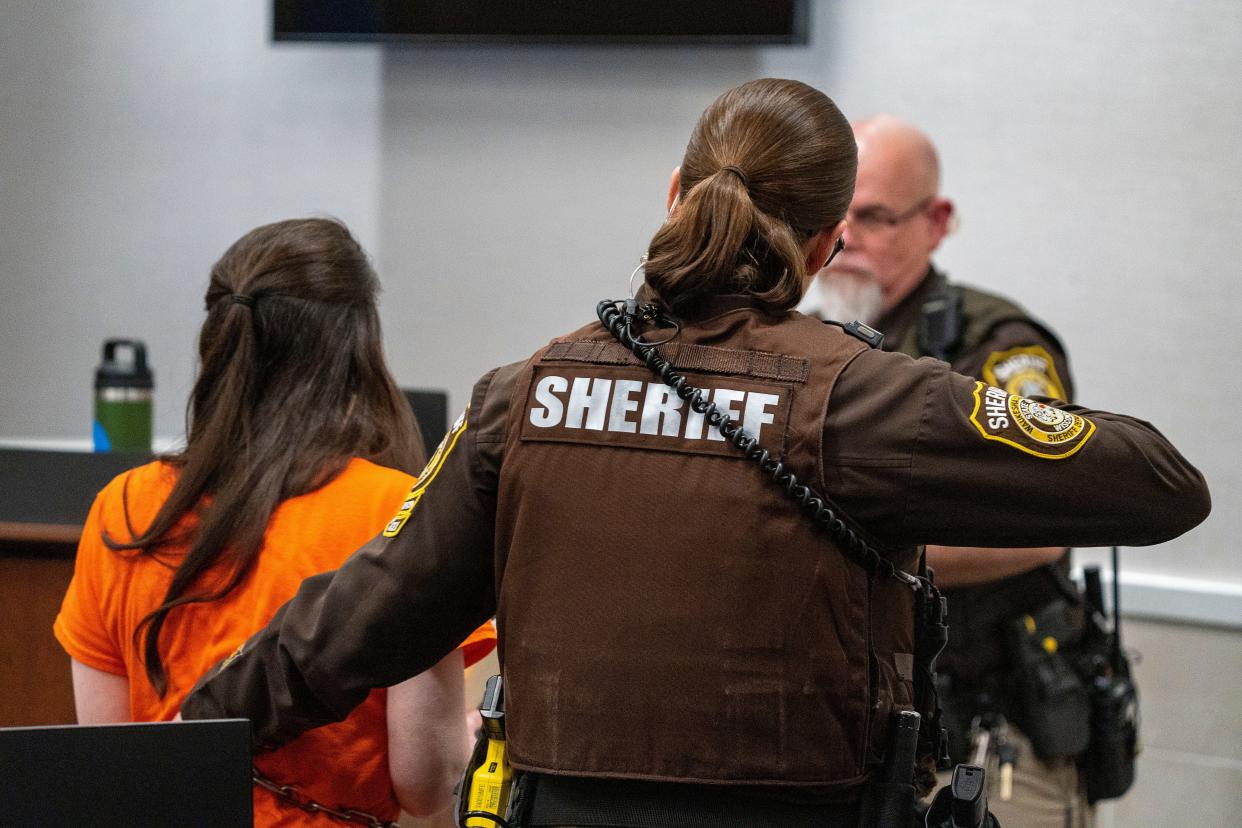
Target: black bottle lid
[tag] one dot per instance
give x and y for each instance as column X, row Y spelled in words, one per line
column 127, row 369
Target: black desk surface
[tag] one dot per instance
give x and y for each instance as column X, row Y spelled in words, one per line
column 46, row 495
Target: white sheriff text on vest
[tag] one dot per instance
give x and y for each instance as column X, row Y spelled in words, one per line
column 599, row 404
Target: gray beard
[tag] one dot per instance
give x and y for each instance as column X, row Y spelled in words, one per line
column 843, row 298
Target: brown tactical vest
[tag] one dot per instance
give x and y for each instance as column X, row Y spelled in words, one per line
column 664, row 611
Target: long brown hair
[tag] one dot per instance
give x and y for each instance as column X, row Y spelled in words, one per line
column 770, row 163
column 291, row 384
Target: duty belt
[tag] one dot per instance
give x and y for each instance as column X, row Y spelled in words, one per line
column 612, row 803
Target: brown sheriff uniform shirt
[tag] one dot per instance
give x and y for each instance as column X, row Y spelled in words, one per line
column 1021, row 356
column 664, row 612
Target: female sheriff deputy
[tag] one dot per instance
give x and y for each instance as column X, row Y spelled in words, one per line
column 681, row 643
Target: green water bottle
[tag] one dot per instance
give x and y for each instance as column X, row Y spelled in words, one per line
column 123, row 386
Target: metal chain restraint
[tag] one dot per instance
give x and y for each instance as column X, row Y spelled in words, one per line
column 290, row 794
column 620, row 323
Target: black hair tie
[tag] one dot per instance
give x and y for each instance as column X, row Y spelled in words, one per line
column 738, row 172
column 242, row 299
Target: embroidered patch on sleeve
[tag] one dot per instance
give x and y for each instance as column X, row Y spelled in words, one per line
column 425, row 477
column 1033, row 427
column 1026, row 372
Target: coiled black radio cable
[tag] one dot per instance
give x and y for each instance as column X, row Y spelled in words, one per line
column 619, row 317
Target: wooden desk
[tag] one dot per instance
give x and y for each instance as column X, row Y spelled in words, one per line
column 44, row 499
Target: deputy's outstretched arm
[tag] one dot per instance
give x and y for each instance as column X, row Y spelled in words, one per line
column 921, row 455
column 393, row 609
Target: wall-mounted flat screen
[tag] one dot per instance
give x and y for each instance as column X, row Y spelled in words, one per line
column 544, row 21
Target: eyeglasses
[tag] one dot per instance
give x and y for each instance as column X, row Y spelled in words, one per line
column 873, row 219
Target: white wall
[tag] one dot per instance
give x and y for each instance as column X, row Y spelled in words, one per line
column 1090, row 149
column 137, row 141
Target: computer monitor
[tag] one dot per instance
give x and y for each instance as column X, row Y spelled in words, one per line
column 141, row 775
column 715, row 22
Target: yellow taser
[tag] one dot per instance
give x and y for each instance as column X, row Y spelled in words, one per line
column 491, row 783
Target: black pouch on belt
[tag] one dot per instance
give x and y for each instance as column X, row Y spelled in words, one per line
column 1052, row 704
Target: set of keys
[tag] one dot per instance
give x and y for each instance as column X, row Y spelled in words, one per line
column 990, row 732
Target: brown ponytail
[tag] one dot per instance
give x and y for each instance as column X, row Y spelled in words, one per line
column 770, row 164
column 291, row 384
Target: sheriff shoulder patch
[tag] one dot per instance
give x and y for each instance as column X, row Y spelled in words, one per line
column 1033, row 427
column 1026, row 372
column 425, row 477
